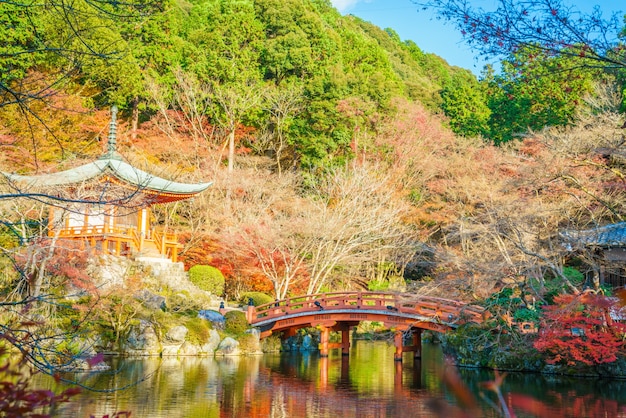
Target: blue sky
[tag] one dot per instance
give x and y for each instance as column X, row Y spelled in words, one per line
column 435, row 36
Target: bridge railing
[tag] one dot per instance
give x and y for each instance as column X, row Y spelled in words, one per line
column 445, row 310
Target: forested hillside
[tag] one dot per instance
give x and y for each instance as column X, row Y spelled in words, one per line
column 343, row 156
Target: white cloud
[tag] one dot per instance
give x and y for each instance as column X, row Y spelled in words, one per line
column 344, row 5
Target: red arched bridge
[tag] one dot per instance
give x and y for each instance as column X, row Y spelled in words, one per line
column 342, row 310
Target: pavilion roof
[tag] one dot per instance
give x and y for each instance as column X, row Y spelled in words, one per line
column 111, row 167
column 139, row 179
column 613, row 235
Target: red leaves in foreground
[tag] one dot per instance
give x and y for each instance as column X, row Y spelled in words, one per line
column 17, row 399
column 578, row 329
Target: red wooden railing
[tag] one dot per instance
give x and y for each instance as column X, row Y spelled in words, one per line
column 445, row 310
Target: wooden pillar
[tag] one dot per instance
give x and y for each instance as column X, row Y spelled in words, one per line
column 51, row 222
column 174, row 253
column 250, row 313
column 324, row 338
column 345, row 341
column 397, row 341
column 397, row 377
column 323, row 373
column 345, row 370
column 417, row 343
column 85, row 220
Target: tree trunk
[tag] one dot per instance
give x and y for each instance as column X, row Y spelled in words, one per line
column 231, row 150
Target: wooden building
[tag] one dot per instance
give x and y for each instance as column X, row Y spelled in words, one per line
column 107, row 203
column 604, row 249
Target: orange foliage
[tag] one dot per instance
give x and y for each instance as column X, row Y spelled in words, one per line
column 64, row 130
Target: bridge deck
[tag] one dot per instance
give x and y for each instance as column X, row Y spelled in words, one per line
column 356, row 306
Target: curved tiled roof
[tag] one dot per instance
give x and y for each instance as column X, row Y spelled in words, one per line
column 110, row 165
column 613, row 235
column 115, row 168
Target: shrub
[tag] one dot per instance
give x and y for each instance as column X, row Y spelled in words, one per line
column 258, row 298
column 271, row 344
column 235, row 322
column 199, row 330
column 207, row 278
column 575, row 330
column 249, row 344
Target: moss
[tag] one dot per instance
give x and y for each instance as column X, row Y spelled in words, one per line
column 271, row 344
column 248, row 343
column 199, row 330
column 235, row 322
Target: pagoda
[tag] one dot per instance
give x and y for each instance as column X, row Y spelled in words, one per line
column 107, row 203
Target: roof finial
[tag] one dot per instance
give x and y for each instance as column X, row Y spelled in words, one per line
column 112, row 143
column 113, row 130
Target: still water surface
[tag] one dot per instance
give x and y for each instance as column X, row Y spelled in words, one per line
column 367, row 384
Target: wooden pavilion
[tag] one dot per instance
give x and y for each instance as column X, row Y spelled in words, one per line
column 605, row 248
column 107, row 203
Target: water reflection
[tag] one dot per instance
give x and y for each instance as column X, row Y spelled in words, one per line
column 368, row 383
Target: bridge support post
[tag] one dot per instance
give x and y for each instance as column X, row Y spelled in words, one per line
column 324, row 338
column 323, row 373
column 250, row 312
column 417, row 343
column 397, row 341
column 345, row 342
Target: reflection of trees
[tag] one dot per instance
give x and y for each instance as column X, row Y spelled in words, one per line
column 290, row 385
column 561, row 391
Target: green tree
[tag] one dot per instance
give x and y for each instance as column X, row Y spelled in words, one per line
column 535, row 90
column 224, row 40
column 465, row 104
column 57, row 38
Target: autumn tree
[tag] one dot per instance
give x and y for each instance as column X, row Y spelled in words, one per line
column 57, row 36
column 550, row 26
column 579, row 330
column 282, row 106
column 332, row 236
column 233, row 103
column 550, row 52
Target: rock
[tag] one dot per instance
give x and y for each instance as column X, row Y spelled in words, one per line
column 150, row 300
column 228, row 347
column 142, row 340
column 170, row 349
column 307, row 343
column 210, row 346
column 216, row 318
column 253, row 343
column 177, row 334
column 188, row 349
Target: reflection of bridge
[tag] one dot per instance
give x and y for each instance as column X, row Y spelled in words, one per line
column 341, row 311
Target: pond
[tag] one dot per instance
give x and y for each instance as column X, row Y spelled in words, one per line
column 368, row 383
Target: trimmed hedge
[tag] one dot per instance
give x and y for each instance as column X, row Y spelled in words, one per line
column 235, row 322
column 207, row 278
column 258, row 298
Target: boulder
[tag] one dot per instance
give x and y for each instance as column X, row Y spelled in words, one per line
column 210, row 346
column 142, row 340
column 228, row 347
column 216, row 318
column 253, row 343
column 307, row 343
column 177, row 334
column 150, row 300
column 188, row 349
